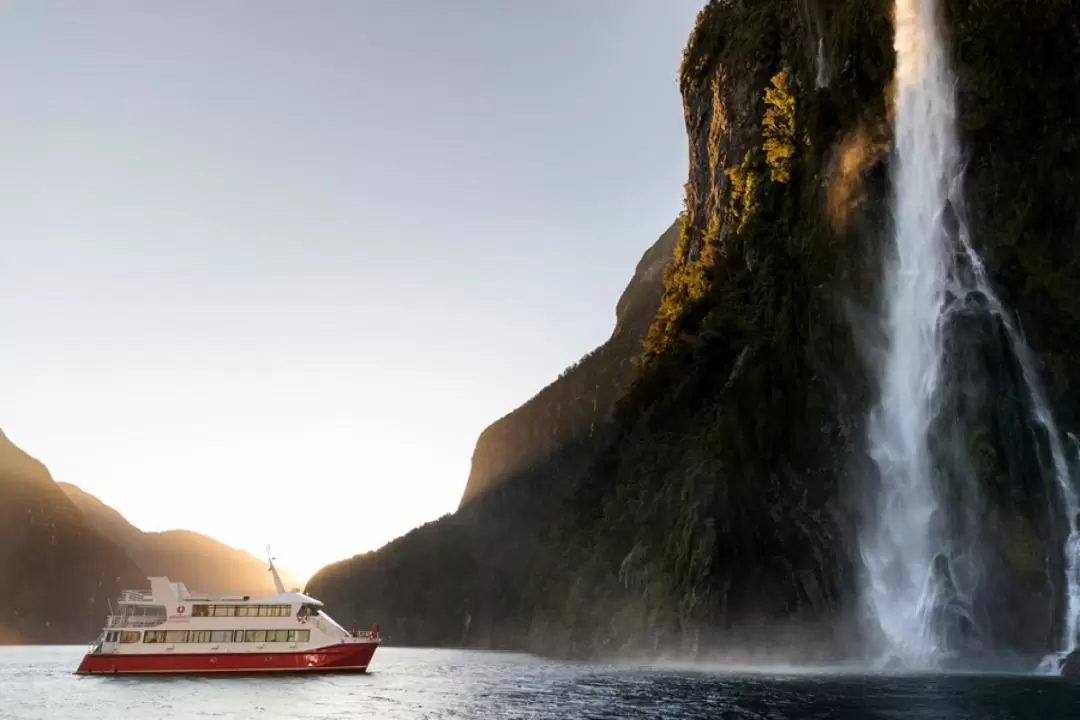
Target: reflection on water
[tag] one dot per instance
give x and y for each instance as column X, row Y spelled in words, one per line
column 408, row 684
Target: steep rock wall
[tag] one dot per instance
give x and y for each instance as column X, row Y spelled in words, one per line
column 723, row 513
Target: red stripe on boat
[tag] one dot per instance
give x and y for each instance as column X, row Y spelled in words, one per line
column 344, row 657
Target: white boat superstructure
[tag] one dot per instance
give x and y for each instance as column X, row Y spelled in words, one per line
column 171, row 629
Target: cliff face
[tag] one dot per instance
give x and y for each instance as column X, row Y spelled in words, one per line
column 715, row 515
column 57, row 574
column 570, row 409
column 460, row 580
column 200, row 562
column 722, row 514
column 718, row 507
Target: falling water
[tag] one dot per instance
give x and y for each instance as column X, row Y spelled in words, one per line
column 900, row 546
column 822, row 79
column 914, row 578
column 1043, row 417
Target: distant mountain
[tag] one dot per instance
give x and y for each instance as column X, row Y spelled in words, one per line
column 57, row 572
column 201, row 562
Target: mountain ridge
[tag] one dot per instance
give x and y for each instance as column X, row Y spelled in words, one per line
column 65, row 556
column 57, row 573
column 200, row 561
column 461, row 580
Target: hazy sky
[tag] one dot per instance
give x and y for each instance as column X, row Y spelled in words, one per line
column 269, row 268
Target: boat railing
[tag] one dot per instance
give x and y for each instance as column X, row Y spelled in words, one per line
column 129, row 621
column 135, row 596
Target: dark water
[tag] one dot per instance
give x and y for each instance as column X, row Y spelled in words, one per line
column 410, row 684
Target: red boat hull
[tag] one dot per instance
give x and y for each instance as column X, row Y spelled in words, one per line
column 346, row 657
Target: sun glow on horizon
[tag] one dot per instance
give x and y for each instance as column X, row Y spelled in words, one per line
column 273, row 290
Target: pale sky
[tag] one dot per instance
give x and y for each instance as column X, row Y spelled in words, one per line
column 269, row 268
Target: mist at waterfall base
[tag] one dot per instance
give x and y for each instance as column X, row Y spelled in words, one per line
column 929, row 580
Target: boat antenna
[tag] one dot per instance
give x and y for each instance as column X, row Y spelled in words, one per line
column 273, row 571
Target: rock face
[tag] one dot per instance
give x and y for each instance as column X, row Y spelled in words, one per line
column 201, row 562
column 462, row 580
column 717, row 508
column 1070, row 666
column 57, row 574
column 723, row 514
column 716, row 516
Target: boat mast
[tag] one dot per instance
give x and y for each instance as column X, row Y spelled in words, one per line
column 273, row 571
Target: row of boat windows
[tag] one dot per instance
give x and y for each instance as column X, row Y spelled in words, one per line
column 124, row 636
column 241, row 611
column 224, row 636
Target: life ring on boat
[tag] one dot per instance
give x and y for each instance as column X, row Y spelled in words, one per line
column 179, row 609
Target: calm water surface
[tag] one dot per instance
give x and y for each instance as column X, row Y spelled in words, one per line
column 407, row 684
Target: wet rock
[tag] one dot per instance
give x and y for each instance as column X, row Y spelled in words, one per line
column 1070, row 665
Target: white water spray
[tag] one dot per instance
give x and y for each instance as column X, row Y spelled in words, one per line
column 898, row 547
column 910, row 575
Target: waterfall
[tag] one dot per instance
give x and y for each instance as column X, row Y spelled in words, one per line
column 917, row 582
column 1043, row 417
column 905, row 578
column 822, row 78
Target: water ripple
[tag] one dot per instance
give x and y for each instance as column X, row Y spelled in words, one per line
column 406, row 684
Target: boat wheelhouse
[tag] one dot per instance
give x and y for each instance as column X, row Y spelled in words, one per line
column 173, row 630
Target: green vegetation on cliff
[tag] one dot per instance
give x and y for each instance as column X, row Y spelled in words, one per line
column 717, row 502
column 722, row 510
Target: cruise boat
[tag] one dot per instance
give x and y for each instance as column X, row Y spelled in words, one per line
column 172, row 630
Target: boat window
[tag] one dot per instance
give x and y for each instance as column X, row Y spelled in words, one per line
column 157, row 611
column 277, row 610
column 208, row 636
column 130, row 636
